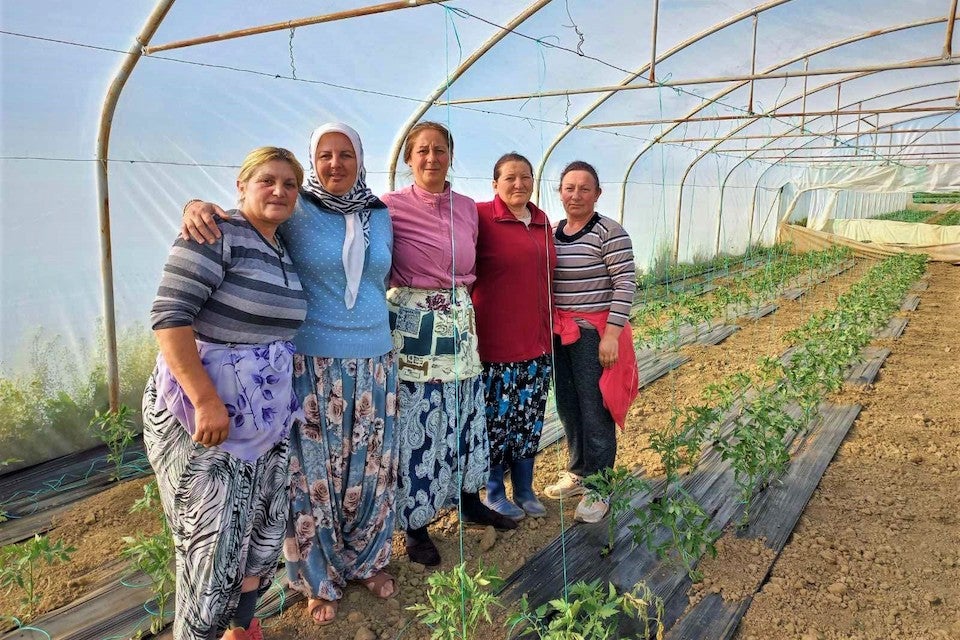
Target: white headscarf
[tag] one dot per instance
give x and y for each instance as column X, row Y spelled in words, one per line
column 354, row 206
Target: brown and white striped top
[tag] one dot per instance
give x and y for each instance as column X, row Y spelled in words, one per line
column 595, row 269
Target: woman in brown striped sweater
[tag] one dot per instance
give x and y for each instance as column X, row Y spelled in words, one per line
column 595, row 366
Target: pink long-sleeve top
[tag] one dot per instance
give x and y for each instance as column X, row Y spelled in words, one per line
column 423, row 255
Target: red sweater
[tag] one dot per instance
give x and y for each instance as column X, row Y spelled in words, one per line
column 512, row 296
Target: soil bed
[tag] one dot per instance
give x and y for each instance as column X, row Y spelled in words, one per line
column 876, row 554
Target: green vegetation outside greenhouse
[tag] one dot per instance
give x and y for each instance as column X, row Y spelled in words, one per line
column 46, row 411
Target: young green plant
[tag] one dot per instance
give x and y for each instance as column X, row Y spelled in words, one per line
column 457, row 601
column 153, row 555
column 117, row 430
column 615, row 486
column 688, row 525
column 22, row 564
column 591, row 610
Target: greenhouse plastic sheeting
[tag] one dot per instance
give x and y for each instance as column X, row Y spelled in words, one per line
column 703, row 159
column 809, row 240
column 894, row 232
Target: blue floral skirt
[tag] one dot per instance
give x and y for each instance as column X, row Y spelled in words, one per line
column 343, row 473
column 516, row 395
column 443, row 447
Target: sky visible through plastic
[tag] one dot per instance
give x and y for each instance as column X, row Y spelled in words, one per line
column 188, row 116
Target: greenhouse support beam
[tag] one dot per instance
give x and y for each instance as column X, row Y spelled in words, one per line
column 653, row 46
column 728, row 90
column 803, row 104
column 782, row 75
column 765, row 218
column 459, row 71
column 773, row 114
column 861, row 160
column 291, row 24
column 836, row 121
column 767, row 136
column 676, row 244
column 912, row 143
column 829, row 158
column 575, row 123
column 753, row 61
column 948, row 41
column 859, row 120
column 134, row 54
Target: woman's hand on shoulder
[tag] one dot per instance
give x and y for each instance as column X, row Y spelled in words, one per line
column 200, row 221
column 213, row 423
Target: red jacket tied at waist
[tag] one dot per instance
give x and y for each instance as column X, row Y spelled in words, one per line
column 619, row 384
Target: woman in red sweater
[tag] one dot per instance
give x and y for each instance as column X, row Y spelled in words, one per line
column 512, row 299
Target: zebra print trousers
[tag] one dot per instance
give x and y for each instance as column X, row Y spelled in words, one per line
column 228, row 519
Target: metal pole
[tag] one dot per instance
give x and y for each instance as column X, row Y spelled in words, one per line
column 836, row 124
column 596, row 104
column 103, row 194
column 290, row 24
column 653, row 46
column 833, row 158
column 753, row 61
column 459, row 71
column 824, row 147
column 803, row 105
column 793, row 114
column 766, row 136
column 948, row 41
column 859, row 106
column 914, row 64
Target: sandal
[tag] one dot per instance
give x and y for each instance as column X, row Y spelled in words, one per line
column 317, row 607
column 378, row 583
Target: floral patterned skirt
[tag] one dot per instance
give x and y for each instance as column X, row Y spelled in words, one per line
column 443, row 447
column 516, row 401
column 343, row 462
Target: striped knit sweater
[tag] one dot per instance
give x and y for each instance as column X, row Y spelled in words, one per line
column 238, row 290
column 595, row 270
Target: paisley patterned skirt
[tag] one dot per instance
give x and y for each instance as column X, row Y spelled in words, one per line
column 443, row 447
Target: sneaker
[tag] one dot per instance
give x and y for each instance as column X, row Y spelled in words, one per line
column 591, row 510
column 570, row 484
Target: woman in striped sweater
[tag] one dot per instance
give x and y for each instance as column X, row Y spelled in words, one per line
column 595, row 366
column 218, row 408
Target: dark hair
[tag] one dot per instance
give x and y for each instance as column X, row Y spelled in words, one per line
column 513, row 156
column 580, row 165
column 423, row 126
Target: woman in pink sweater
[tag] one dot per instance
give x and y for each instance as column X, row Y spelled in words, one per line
column 444, row 451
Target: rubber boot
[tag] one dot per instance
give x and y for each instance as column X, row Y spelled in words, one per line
column 497, row 495
column 521, row 475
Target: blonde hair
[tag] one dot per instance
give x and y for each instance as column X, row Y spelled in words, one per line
column 262, row 155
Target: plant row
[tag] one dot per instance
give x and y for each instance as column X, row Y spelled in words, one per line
column 750, row 420
column 950, row 220
column 904, row 215
column 658, row 323
column 665, row 273
column 21, row 564
column 924, row 197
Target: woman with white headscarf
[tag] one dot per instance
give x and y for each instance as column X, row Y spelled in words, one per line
column 343, row 457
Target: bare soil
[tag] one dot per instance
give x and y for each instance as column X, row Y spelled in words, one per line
column 876, row 554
